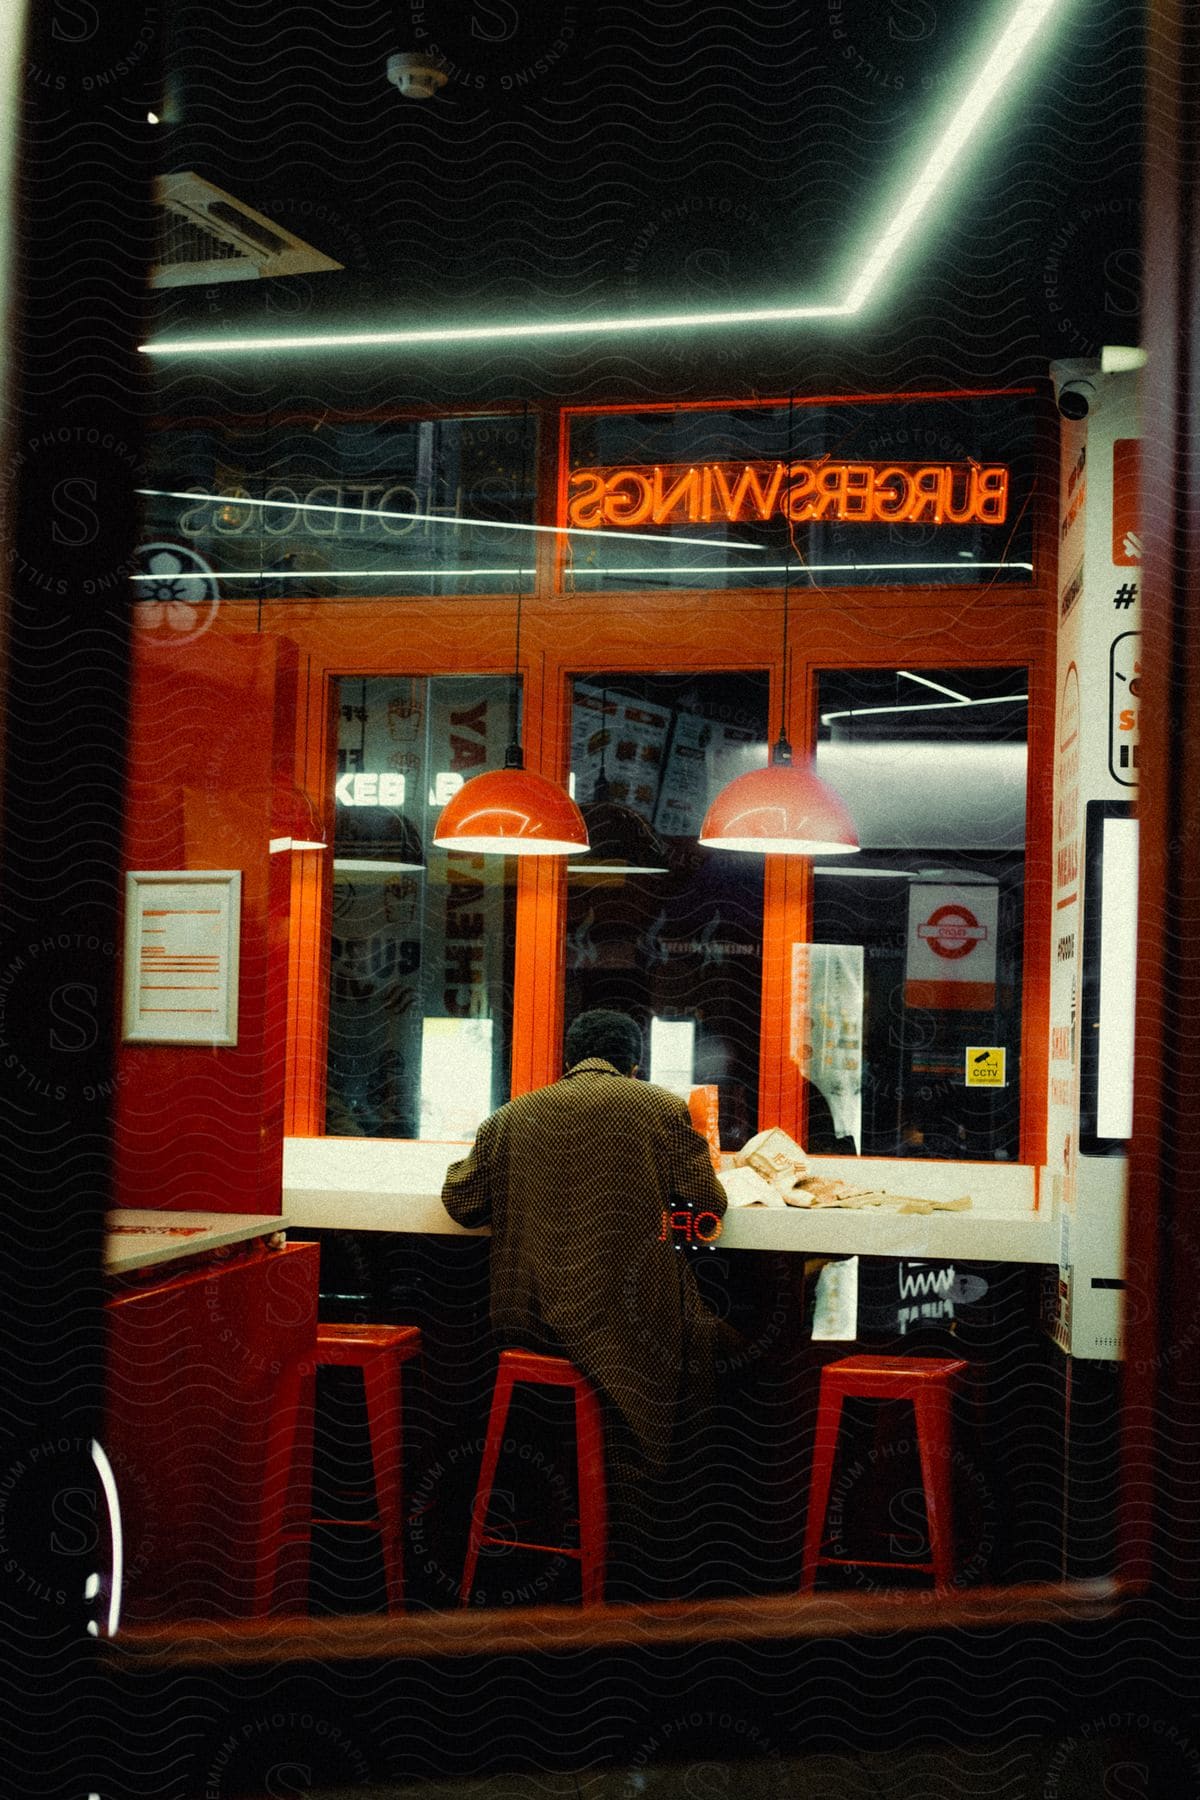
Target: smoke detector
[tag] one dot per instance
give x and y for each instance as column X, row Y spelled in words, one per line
column 417, row 76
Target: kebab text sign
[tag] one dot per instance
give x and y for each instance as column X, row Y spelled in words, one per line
column 951, row 955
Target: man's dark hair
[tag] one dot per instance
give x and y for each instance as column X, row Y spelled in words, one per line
column 611, row 1035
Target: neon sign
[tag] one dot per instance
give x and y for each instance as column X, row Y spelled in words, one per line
column 689, row 1226
column 843, row 493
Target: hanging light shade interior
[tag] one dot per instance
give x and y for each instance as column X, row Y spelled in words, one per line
column 299, row 828
column 783, row 810
column 375, row 840
column 621, row 842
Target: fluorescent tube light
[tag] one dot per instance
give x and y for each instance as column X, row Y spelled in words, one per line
column 1000, row 62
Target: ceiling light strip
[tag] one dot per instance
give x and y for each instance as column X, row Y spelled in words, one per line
column 377, row 512
column 934, row 174
column 859, row 712
column 473, row 574
column 937, row 686
column 999, row 64
column 465, row 334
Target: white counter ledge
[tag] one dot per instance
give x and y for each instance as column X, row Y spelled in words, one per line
column 140, row 1238
column 387, row 1184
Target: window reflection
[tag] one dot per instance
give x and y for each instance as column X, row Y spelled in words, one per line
column 420, row 996
column 675, row 939
column 915, row 964
column 305, row 509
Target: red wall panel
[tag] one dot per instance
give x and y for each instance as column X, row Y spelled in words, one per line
column 205, row 1373
column 210, row 780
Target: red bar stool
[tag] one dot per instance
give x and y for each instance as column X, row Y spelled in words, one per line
column 928, row 1383
column 380, row 1351
column 548, row 1371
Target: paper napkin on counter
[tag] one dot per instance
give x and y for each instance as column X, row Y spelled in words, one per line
column 745, row 1187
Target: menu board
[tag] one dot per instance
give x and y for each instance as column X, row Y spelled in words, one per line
column 181, row 956
column 623, row 738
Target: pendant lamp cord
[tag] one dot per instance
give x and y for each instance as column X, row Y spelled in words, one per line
column 513, row 756
column 782, row 753
column 602, row 788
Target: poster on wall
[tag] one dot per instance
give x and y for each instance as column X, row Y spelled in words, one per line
column 462, row 976
column 1124, row 707
column 624, row 737
column 1126, row 521
column 181, row 956
column 683, row 797
column 950, row 957
column 826, row 1037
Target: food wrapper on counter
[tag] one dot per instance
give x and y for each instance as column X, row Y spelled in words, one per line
column 772, row 1170
column 778, row 1159
column 823, row 1192
column 746, row 1187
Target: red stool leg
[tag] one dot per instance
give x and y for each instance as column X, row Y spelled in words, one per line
column 829, row 1421
column 932, row 1413
column 382, row 1392
column 497, row 1419
column 593, row 1496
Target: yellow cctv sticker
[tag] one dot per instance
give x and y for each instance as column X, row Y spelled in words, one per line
column 984, row 1064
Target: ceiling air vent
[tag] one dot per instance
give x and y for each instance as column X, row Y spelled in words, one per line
column 208, row 236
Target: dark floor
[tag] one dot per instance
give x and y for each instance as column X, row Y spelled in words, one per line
column 1034, row 1484
column 1067, row 1769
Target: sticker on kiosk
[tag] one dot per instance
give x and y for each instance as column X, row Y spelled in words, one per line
column 984, row 1065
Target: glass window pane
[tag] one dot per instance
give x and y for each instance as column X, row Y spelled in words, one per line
column 295, row 511
column 680, row 948
column 913, row 982
column 420, row 997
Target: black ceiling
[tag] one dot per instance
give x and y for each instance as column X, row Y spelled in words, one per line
column 588, row 160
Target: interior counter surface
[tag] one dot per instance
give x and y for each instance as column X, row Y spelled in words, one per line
column 384, row 1184
column 140, row 1238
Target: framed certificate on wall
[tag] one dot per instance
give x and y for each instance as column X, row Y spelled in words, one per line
column 181, row 956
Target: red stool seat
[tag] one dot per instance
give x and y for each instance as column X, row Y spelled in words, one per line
column 380, row 1352
column 591, row 1552
column 927, row 1382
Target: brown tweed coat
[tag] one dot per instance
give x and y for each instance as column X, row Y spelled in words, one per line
column 574, row 1180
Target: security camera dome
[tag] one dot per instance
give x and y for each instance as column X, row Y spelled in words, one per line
column 417, row 76
column 1075, row 400
column 1075, row 382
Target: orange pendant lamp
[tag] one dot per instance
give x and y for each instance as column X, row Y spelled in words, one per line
column 511, row 811
column 784, row 809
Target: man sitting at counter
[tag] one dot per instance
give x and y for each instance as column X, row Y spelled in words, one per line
column 577, row 1181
